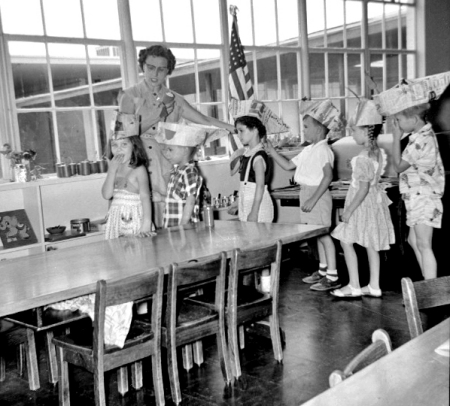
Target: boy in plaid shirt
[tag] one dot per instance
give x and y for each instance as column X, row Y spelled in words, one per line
column 183, row 190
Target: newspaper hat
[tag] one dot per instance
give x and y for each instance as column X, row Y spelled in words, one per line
column 180, row 134
column 366, row 113
column 125, row 125
column 410, row 93
column 326, row 114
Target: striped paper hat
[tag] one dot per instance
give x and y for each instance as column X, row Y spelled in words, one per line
column 366, row 113
column 181, row 134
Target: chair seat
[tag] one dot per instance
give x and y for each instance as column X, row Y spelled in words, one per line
column 82, row 340
column 50, row 318
column 247, row 294
column 11, row 335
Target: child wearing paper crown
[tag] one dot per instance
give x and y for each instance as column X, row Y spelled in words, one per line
column 255, row 203
column 182, row 203
column 366, row 219
column 314, row 172
column 127, row 181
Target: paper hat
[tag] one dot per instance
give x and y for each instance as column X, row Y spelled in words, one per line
column 366, row 113
column 125, row 125
column 410, row 93
column 181, row 134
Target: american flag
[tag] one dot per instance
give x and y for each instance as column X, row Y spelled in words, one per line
column 240, row 84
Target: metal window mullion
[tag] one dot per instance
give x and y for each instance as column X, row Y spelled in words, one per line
column 255, row 75
column 344, row 29
column 127, row 47
column 163, row 28
column 326, row 69
column 304, row 49
column 399, row 39
column 196, row 73
column 224, row 57
column 325, row 29
column 253, row 22
column 365, row 47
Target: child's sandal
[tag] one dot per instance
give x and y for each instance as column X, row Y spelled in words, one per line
column 371, row 292
column 354, row 292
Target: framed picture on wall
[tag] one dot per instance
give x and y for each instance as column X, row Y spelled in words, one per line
column 15, row 229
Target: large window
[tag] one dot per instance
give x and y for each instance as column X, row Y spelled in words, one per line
column 63, row 63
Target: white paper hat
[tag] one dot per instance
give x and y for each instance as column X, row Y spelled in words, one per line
column 125, row 125
column 366, row 113
column 180, row 134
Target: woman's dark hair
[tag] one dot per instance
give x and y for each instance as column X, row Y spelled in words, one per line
column 138, row 154
column 251, row 123
column 158, row 50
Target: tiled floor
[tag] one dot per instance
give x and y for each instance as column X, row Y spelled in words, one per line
column 322, row 334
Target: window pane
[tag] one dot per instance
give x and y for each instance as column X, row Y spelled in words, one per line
column 178, row 25
column 335, row 23
column 101, row 19
column 30, row 75
column 353, row 15
column 103, row 122
column 408, row 27
column 316, row 23
column 354, row 73
column 376, row 70
column 264, row 18
column 29, row 22
column 106, row 77
column 336, row 75
column 142, row 30
column 182, row 79
column 209, row 75
column 63, row 18
column 289, row 78
column 392, row 71
column 267, row 75
column 244, row 17
column 75, row 135
column 317, row 75
column 36, row 133
column 375, row 15
column 291, row 115
column 288, row 22
column 207, row 30
column 68, row 66
column 392, row 25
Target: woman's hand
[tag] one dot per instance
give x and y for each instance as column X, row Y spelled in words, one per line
column 308, row 205
column 253, row 217
column 346, row 216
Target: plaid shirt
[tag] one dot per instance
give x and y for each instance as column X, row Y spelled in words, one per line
column 184, row 181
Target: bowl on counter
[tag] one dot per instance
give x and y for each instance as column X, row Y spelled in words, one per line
column 56, row 229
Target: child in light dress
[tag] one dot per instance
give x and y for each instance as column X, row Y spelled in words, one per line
column 255, row 203
column 366, row 219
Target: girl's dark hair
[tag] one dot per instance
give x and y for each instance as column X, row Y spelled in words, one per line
column 158, row 50
column 138, row 154
column 251, row 123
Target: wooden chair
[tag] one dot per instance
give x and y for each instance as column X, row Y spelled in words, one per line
column 422, row 295
column 381, row 345
column 143, row 340
column 47, row 321
column 188, row 322
column 10, row 336
column 244, row 307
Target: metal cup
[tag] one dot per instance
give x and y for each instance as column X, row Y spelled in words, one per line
column 103, row 166
column 85, row 168
column 94, row 167
column 73, row 169
column 62, row 171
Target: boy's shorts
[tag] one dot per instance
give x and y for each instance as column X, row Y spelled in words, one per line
column 423, row 209
column 321, row 212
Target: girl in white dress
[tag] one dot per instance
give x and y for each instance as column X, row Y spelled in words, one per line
column 366, row 219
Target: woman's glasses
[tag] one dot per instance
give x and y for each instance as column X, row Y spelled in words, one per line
column 157, row 69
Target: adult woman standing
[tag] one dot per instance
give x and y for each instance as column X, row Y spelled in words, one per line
column 153, row 101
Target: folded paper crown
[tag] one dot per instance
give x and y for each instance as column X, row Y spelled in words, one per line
column 366, row 113
column 411, row 92
column 326, row 114
column 181, row 134
column 125, row 125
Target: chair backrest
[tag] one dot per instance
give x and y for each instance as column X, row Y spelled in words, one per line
column 381, row 345
column 193, row 273
column 149, row 284
column 249, row 260
column 422, row 295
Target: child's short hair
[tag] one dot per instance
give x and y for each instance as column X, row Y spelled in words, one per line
column 251, row 123
column 420, row 110
column 138, row 154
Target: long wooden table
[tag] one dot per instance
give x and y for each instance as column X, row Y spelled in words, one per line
column 41, row 279
column 412, row 375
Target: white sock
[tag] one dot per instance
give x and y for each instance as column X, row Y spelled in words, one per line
column 322, row 269
column 332, row 274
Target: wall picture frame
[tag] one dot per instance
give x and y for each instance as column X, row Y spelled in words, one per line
column 16, row 229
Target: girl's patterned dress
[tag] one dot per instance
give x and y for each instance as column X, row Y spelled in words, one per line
column 370, row 225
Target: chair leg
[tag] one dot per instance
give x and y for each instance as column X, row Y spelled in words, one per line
column 99, row 387
column 51, row 358
column 136, row 375
column 186, row 351
column 122, row 380
column 158, row 386
column 241, row 337
column 172, row 364
column 2, row 369
column 224, row 357
column 21, row 356
column 276, row 337
column 234, row 349
column 63, row 379
column 198, row 352
column 32, row 364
